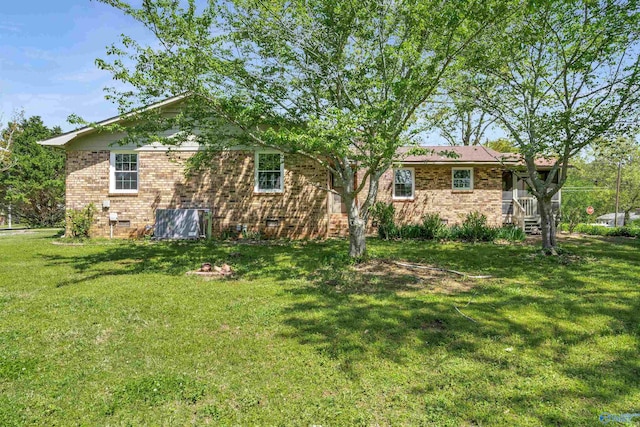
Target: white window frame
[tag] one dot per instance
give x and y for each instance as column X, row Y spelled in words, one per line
column 470, row 188
column 256, row 187
column 413, row 184
column 112, row 173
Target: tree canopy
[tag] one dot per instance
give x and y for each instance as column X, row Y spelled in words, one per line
column 563, row 75
column 34, row 185
column 342, row 83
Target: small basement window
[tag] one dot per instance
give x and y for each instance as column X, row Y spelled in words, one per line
column 273, row 223
column 462, row 179
column 124, row 223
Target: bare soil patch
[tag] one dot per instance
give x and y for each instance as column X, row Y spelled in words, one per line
column 383, row 275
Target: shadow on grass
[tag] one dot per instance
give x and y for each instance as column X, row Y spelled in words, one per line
column 280, row 261
column 556, row 312
column 548, row 308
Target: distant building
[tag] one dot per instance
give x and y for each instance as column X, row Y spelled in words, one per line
column 609, row 219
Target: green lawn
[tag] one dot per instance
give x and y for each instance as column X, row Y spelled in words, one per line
column 114, row 333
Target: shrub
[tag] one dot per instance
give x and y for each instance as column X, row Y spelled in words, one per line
column 410, row 231
column 634, row 224
column 433, row 227
column 510, row 233
column 79, row 221
column 384, row 215
column 474, row 228
column 599, row 230
column 571, row 217
column 455, row 232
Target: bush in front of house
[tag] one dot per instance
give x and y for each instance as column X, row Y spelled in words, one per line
column 473, row 229
column 511, row 233
column 79, row 221
column 383, row 214
column 410, row 231
column 434, row 227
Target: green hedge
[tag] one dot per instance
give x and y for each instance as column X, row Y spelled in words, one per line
column 599, row 230
column 474, row 228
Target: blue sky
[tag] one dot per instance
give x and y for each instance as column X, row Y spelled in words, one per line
column 47, row 54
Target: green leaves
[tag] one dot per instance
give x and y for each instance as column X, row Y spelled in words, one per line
column 338, row 82
column 34, row 185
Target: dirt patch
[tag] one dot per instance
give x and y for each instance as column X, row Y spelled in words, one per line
column 208, row 275
column 381, row 275
column 103, row 336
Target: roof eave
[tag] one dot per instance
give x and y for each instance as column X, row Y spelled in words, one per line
column 65, row 138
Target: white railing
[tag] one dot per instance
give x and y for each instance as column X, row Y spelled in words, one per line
column 530, row 206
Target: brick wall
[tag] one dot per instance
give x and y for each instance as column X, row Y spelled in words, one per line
column 433, row 194
column 228, row 189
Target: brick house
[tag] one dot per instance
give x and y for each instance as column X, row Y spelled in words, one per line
column 273, row 193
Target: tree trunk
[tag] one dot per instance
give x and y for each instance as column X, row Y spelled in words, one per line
column 357, row 230
column 547, row 225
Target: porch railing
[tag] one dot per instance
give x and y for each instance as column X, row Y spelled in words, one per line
column 530, row 206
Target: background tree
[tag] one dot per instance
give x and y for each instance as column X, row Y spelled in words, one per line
column 623, row 154
column 563, row 75
column 338, row 82
column 34, row 186
column 582, row 189
column 457, row 117
column 502, row 145
column 7, row 135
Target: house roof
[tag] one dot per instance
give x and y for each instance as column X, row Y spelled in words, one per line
column 472, row 154
column 476, row 154
column 65, row 138
column 439, row 154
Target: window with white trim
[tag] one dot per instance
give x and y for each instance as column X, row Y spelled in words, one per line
column 403, row 184
column 269, row 168
column 462, row 178
column 123, row 176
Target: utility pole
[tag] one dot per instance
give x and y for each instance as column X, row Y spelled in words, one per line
column 615, row 221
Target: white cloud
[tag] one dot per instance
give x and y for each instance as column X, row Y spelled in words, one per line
column 40, row 54
column 10, row 27
column 87, row 75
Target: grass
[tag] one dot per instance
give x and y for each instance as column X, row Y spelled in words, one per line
column 114, row 333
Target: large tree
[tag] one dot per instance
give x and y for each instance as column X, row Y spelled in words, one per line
column 563, row 75
column 34, row 185
column 338, row 82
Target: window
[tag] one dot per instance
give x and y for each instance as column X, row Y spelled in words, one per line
column 123, row 172
column 269, row 172
column 462, row 178
column 403, row 184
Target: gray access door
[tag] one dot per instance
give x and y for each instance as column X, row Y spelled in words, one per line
column 177, row 224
